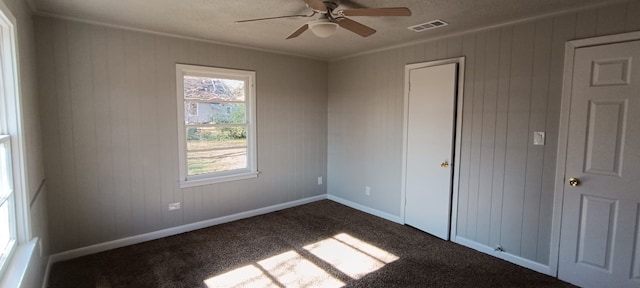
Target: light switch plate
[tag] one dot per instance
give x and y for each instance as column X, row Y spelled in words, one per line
column 174, row 206
column 538, row 138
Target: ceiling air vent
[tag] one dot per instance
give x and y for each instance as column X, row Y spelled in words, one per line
column 428, row 25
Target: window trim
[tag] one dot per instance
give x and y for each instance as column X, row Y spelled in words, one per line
column 251, row 171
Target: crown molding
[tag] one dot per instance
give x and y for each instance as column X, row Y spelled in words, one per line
column 149, row 31
column 480, row 29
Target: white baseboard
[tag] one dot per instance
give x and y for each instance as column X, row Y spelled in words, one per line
column 66, row 255
column 45, row 282
column 96, row 248
column 535, row 266
column 366, row 209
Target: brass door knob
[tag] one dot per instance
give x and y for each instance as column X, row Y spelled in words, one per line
column 444, row 164
column 574, row 181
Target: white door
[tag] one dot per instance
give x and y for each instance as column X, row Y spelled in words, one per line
column 430, row 130
column 600, row 232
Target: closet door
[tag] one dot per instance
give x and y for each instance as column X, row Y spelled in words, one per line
column 429, row 152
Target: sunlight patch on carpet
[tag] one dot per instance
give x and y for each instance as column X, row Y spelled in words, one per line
column 350, row 255
column 288, row 269
column 247, row 276
column 292, row 270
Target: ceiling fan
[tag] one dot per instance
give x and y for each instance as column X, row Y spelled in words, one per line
column 328, row 18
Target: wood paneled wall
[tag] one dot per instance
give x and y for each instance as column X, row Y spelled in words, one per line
column 108, row 99
column 513, row 85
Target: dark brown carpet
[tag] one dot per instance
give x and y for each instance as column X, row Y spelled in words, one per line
column 186, row 260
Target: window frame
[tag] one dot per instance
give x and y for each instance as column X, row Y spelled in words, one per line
column 11, row 127
column 251, row 171
column 6, row 252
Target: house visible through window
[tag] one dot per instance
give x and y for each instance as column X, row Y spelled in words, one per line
column 217, row 123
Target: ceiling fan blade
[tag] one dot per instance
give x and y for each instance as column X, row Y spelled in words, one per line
column 277, row 17
column 391, row 11
column 299, row 31
column 355, row 27
column 316, row 5
column 350, row 4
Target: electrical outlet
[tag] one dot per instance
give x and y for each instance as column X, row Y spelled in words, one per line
column 174, row 206
column 319, row 180
column 367, row 190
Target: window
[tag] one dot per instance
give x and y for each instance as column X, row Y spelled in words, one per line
column 7, row 204
column 216, row 121
column 7, row 222
column 14, row 221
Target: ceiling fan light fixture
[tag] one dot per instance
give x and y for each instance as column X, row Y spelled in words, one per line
column 323, row 28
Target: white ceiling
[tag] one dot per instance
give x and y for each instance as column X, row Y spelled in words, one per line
column 215, row 20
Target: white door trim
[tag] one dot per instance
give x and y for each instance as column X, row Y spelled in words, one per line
column 563, row 134
column 456, row 153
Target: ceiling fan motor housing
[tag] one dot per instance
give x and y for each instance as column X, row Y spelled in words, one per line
column 331, row 5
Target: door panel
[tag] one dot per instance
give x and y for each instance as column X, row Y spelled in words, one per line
column 610, row 72
column 597, row 219
column 599, row 237
column 431, row 126
column 605, row 137
column 635, row 274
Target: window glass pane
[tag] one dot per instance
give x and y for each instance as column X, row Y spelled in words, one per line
column 191, row 109
column 208, row 89
column 5, row 226
column 206, row 138
column 214, row 113
column 217, row 160
column 5, row 176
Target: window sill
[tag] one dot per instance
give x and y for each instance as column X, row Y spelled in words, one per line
column 16, row 271
column 219, row 179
